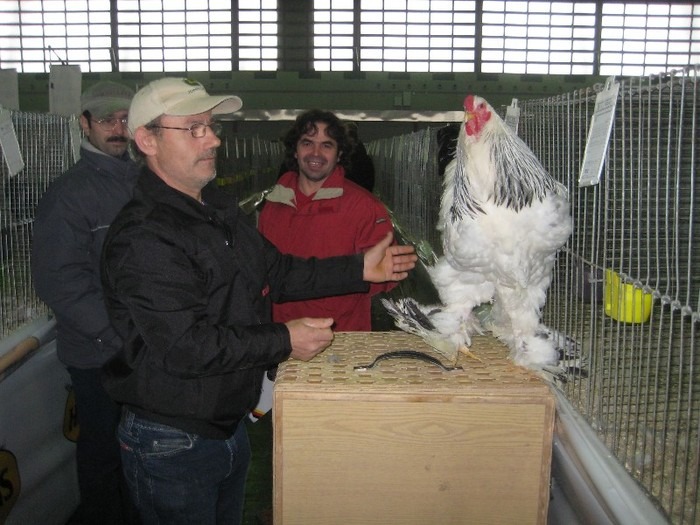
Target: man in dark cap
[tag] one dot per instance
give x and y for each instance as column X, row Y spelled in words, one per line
column 70, row 226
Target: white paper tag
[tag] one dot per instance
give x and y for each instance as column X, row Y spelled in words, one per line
column 9, row 144
column 599, row 134
column 265, row 402
column 76, row 137
column 513, row 115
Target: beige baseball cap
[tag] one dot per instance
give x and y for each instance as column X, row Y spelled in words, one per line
column 176, row 96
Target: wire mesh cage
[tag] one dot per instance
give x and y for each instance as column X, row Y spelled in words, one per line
column 626, row 287
column 247, row 164
column 410, row 182
column 45, row 144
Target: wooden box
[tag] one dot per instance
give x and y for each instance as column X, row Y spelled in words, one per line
column 407, row 442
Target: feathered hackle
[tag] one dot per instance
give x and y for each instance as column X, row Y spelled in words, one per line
column 518, row 176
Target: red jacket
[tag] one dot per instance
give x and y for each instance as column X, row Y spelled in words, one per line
column 339, row 219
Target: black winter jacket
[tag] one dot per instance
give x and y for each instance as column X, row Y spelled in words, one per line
column 188, row 287
column 69, row 229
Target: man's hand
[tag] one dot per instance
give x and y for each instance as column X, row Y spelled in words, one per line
column 384, row 262
column 309, row 336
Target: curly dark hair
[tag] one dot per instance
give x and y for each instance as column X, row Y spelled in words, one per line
column 306, row 124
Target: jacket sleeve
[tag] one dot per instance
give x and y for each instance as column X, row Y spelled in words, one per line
column 373, row 226
column 65, row 270
column 158, row 298
column 294, row 278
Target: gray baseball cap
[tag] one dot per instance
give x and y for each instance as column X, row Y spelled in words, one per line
column 104, row 98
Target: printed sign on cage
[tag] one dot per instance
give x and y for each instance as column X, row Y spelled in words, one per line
column 599, row 134
column 513, row 115
column 9, row 145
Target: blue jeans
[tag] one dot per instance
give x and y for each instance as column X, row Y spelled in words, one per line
column 180, row 478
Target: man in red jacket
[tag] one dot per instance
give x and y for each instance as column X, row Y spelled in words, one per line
column 314, row 211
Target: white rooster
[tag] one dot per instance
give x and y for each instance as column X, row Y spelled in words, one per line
column 503, row 218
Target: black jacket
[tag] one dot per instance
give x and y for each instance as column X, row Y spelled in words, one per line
column 70, row 226
column 360, row 169
column 188, row 287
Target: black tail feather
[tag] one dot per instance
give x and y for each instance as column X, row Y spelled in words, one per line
column 409, row 311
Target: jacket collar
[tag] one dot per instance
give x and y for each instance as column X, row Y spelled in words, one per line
column 122, row 167
column 283, row 192
column 155, row 188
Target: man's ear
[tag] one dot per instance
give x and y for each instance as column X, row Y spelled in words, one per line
column 146, row 140
column 84, row 124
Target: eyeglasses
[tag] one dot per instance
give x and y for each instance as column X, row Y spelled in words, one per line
column 198, row 129
column 109, row 123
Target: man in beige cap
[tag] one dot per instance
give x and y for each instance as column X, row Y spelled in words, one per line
column 189, row 285
column 69, row 229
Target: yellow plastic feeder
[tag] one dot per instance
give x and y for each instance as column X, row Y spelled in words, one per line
column 624, row 302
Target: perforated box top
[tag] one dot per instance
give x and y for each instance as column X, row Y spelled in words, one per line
column 345, row 367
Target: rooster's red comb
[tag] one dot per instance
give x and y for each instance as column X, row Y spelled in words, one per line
column 469, row 103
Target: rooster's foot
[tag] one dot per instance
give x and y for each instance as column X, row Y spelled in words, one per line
column 465, row 350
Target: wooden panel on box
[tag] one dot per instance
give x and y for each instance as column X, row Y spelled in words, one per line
column 407, row 442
